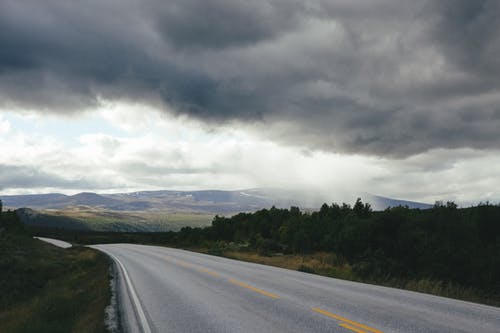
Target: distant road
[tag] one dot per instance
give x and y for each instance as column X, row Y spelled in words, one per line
column 55, row 242
column 171, row 290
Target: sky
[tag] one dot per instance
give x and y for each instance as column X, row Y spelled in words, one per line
column 397, row 98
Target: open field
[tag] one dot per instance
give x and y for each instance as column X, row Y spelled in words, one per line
column 87, row 218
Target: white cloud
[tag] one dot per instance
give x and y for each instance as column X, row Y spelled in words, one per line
column 174, row 153
column 463, row 175
column 4, row 126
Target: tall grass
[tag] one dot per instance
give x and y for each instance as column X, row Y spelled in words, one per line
column 331, row 265
column 48, row 289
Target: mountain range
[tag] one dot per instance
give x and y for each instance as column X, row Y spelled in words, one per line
column 205, row 201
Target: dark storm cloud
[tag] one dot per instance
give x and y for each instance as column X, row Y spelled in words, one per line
column 468, row 32
column 222, row 23
column 385, row 77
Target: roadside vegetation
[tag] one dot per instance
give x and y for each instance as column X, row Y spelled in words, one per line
column 444, row 250
column 328, row 264
column 44, row 288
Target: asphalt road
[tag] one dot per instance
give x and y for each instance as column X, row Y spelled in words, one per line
column 171, row 290
column 55, row 242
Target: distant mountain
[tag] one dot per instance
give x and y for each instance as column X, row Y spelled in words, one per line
column 34, row 200
column 61, row 201
column 381, row 203
column 206, row 201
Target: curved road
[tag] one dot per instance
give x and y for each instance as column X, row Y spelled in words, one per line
column 56, row 242
column 172, row 290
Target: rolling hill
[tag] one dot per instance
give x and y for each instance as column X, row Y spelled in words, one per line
column 206, row 201
column 162, row 210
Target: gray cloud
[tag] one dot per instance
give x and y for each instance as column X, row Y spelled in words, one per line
column 217, row 24
column 391, row 78
column 468, row 33
column 23, row 177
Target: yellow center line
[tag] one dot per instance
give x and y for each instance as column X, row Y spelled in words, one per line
column 345, row 320
column 185, row 264
column 260, row 291
column 182, row 263
column 203, row 270
column 352, row 328
column 233, row 281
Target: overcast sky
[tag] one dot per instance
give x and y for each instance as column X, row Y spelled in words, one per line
column 393, row 97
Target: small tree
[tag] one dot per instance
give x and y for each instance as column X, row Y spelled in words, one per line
column 361, row 209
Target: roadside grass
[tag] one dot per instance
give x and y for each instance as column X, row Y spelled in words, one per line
column 48, row 289
column 320, row 263
column 444, row 289
column 331, row 265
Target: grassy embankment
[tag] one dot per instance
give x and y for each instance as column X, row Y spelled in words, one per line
column 330, row 265
column 48, row 289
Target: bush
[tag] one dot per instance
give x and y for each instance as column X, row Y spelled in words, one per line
column 306, row 269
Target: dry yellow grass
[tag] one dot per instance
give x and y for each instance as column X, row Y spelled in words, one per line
column 321, row 263
column 328, row 264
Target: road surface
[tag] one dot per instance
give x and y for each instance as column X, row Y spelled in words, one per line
column 172, row 290
column 55, row 242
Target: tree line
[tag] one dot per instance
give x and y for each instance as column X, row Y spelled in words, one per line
column 442, row 243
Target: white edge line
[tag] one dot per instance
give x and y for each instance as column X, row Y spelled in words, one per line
column 142, row 316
